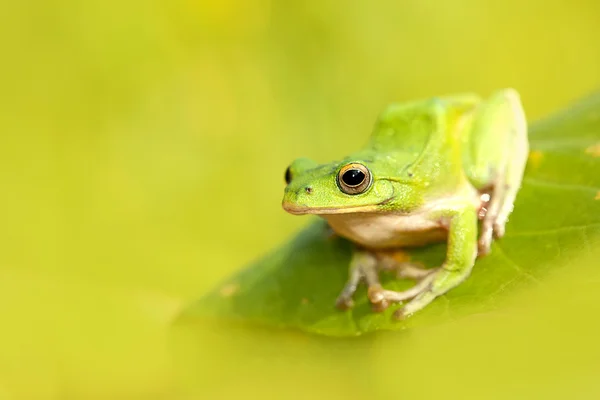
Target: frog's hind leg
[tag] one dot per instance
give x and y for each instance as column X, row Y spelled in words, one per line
column 494, row 158
column 518, row 154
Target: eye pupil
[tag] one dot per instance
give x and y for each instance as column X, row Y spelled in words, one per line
column 288, row 176
column 353, row 177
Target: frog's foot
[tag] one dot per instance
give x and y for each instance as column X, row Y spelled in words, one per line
column 431, row 287
column 495, row 216
column 488, row 213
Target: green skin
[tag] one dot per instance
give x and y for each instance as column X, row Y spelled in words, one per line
column 432, row 169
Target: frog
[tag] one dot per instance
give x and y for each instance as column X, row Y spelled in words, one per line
column 439, row 169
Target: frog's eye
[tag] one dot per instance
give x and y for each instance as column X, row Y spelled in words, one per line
column 288, row 175
column 354, row 178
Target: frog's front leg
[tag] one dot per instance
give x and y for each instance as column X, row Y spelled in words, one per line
column 460, row 258
column 461, row 222
column 365, row 266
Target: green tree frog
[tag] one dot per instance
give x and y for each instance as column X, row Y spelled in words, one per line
column 433, row 170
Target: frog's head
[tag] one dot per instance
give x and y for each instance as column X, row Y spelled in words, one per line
column 335, row 188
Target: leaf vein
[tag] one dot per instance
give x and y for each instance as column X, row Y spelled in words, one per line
column 516, row 266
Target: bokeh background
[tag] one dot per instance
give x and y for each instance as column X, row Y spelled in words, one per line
column 143, row 146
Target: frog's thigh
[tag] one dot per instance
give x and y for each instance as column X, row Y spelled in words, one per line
column 494, row 158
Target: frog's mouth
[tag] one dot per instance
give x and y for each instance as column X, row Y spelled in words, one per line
column 300, row 210
column 297, row 209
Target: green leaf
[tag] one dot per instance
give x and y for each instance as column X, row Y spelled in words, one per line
column 556, row 219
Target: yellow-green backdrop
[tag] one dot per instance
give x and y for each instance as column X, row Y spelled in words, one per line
column 143, row 145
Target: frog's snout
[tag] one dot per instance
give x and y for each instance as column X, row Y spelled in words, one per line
column 294, row 200
column 298, row 192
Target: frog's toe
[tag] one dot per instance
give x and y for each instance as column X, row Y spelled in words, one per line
column 485, row 242
column 400, row 314
column 380, row 307
column 416, row 304
column 375, row 293
column 489, row 231
column 498, row 230
column 344, row 303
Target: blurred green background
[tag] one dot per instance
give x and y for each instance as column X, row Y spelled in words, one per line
column 143, row 147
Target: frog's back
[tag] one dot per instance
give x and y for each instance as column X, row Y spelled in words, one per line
column 411, row 126
column 422, row 136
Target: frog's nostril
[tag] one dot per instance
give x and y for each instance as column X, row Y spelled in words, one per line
column 308, row 189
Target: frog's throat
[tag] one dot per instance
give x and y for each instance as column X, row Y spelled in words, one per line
column 301, row 210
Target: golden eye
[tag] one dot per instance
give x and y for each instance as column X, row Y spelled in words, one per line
column 354, row 178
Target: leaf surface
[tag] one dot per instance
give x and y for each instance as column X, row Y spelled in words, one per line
column 556, row 219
